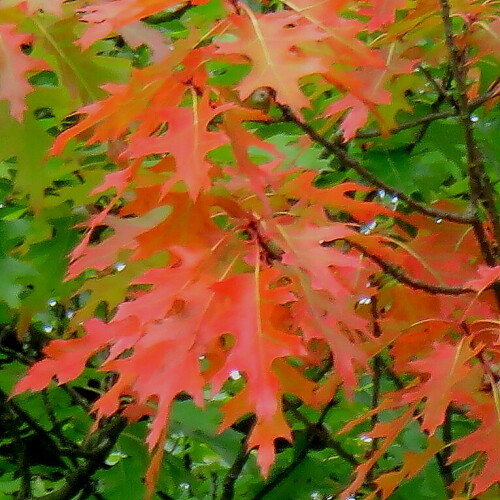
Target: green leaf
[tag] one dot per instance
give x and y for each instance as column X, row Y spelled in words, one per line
column 123, row 478
column 201, row 425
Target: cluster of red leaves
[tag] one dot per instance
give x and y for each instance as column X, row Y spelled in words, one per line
column 251, row 266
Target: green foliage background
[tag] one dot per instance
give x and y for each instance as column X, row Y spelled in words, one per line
column 44, row 437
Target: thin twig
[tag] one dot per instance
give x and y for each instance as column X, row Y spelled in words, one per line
column 320, row 430
column 399, row 384
column 24, row 467
column 164, row 496
column 56, row 427
column 235, row 471
column 399, row 274
column 76, row 398
column 440, row 89
column 44, row 436
column 443, row 456
column 435, row 106
column 431, row 117
column 377, row 373
column 300, row 456
column 350, row 162
column 481, row 191
column 77, row 480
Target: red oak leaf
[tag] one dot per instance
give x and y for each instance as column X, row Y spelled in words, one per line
column 365, row 91
column 337, row 197
column 487, row 277
column 484, row 440
column 65, row 359
column 158, row 86
column 105, row 253
column 388, row 431
column 247, row 305
column 32, row 6
column 14, row 65
column 302, row 243
column 257, row 177
column 382, row 12
column 188, row 140
column 108, row 16
column 342, row 42
column 320, row 317
column 448, row 366
column 272, row 43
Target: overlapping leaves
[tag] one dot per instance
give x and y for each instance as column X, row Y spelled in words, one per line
column 232, row 261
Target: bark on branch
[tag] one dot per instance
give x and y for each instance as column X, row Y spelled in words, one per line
column 349, row 162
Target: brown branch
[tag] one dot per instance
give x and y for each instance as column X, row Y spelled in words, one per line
column 377, row 373
column 79, row 478
column 473, row 104
column 235, row 470
column 481, row 190
column 301, row 455
column 350, row 162
column 435, row 106
column 443, row 456
column 399, row 274
column 440, row 89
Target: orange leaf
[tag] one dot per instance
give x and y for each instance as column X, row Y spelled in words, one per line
column 484, row 440
column 272, row 44
column 448, row 366
column 187, row 139
column 14, row 64
column 107, row 17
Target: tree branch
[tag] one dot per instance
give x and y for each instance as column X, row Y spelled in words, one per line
column 481, row 191
column 50, row 445
column 431, row 117
column 24, row 467
column 234, row 471
column 321, row 431
column 435, row 106
column 440, row 89
column 377, row 374
column 350, row 162
column 301, row 455
column 399, row 274
column 78, row 479
column 56, row 428
column 443, row 456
